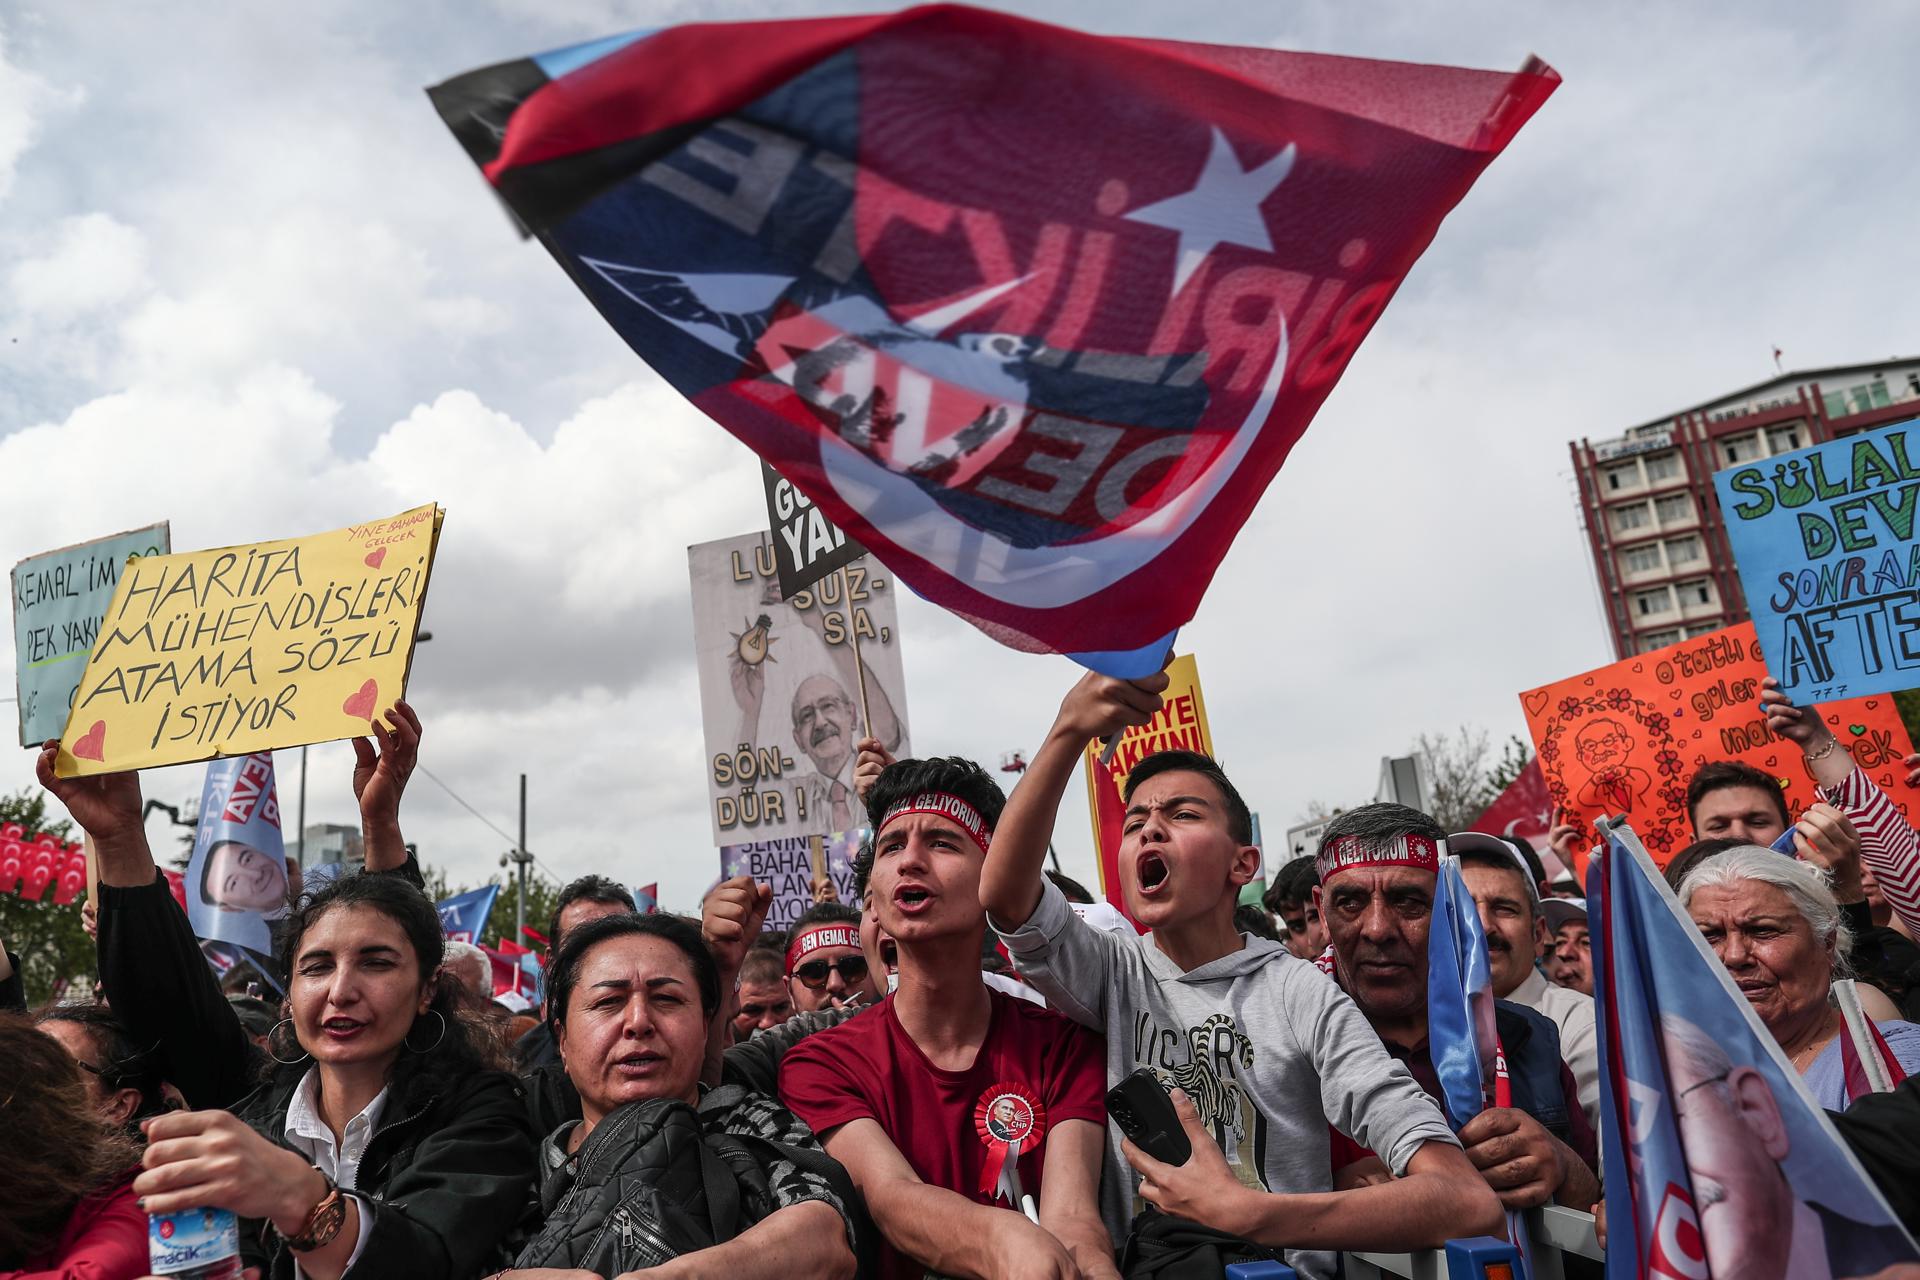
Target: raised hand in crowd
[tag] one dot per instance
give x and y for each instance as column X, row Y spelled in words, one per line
column 1564, row 838
column 867, row 765
column 731, row 917
column 380, row 779
column 107, row 807
column 1096, row 707
column 1825, row 838
column 1826, row 756
column 1524, row 1164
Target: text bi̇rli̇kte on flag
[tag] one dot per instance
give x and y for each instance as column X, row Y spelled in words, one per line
column 1033, row 315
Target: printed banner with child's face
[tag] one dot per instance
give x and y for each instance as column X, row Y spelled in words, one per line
column 1625, row 740
column 250, row 648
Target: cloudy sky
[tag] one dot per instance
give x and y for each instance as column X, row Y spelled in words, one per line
column 248, row 283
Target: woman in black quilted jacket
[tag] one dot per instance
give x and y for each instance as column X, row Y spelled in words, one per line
column 658, row 1174
column 377, row 1137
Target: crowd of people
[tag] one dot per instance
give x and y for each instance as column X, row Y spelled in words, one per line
column 917, row 1083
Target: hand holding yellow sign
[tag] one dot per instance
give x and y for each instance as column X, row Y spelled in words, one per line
column 243, row 649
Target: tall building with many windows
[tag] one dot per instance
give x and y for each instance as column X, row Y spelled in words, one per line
column 1646, row 497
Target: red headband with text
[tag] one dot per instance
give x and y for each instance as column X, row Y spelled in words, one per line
column 1347, row 852
column 814, row 937
column 942, row 804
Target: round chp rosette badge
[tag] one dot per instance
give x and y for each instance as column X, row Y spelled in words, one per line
column 1010, row 1120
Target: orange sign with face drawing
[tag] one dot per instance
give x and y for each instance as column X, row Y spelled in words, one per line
column 1627, row 738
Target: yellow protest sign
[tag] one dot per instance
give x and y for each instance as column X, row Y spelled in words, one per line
column 1180, row 725
column 242, row 649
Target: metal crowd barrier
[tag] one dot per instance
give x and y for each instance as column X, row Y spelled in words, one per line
column 1555, row 1231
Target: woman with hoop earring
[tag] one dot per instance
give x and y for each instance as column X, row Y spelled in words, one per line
column 379, row 1135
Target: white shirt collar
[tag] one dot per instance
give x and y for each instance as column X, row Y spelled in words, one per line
column 307, row 1133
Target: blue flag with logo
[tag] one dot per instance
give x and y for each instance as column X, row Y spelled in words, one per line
column 1719, row 1165
column 463, row 917
column 236, row 880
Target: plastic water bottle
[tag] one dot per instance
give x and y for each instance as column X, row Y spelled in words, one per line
column 194, row 1244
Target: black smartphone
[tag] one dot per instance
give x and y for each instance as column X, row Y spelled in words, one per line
column 1140, row 1106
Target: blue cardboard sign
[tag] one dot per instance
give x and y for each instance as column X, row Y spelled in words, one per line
column 1829, row 560
column 59, row 598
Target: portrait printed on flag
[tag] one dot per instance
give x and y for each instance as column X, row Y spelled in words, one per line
column 780, row 689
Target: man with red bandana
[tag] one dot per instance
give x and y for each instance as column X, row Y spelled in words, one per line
column 1378, row 867
column 825, row 967
column 954, row 1106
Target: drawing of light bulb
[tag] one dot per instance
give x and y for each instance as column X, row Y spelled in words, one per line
column 753, row 645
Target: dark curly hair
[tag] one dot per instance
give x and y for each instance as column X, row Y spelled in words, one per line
column 116, row 1059
column 58, row 1151
column 465, row 1046
column 681, row 932
column 904, row 778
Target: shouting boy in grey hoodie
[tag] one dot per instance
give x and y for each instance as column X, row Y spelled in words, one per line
column 1265, row 1052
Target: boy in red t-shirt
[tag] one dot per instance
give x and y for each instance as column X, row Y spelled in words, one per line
column 954, row 1106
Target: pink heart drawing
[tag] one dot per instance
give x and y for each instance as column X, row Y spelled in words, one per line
column 376, row 558
column 92, row 746
column 1536, row 701
column 360, row 705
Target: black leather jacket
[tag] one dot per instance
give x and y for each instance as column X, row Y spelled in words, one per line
column 447, row 1173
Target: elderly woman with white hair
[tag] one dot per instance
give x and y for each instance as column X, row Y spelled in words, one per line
column 1776, row 926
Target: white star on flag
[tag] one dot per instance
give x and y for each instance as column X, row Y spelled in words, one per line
column 1222, row 208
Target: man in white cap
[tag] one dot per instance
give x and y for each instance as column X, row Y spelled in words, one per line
column 1510, row 912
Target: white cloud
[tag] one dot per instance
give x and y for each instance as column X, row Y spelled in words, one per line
column 262, row 292
column 93, row 261
column 24, row 99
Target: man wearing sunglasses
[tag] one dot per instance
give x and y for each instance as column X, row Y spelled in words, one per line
column 825, row 967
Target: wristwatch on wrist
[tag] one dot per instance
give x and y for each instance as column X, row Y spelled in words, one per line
column 323, row 1222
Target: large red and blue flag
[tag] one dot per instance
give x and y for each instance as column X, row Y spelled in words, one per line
column 1033, row 315
column 1719, row 1166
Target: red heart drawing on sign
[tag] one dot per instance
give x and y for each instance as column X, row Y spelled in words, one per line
column 1872, row 703
column 1696, row 734
column 93, row 746
column 1699, row 760
column 374, row 558
column 1588, row 680
column 360, row 705
column 1535, row 702
column 1638, row 668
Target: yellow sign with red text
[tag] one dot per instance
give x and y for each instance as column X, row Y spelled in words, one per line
column 242, row 649
column 1180, row 725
